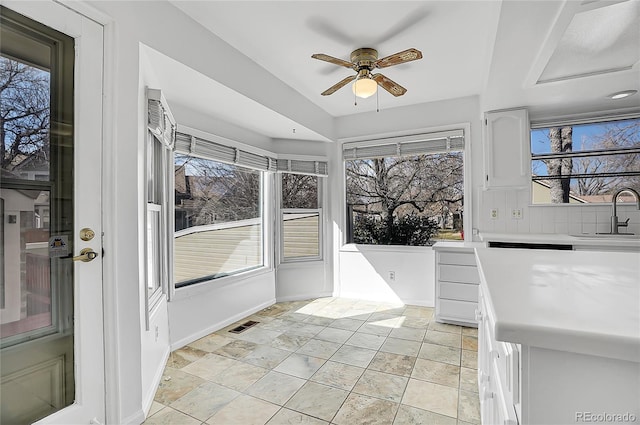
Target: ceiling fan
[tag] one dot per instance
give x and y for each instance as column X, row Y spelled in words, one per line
column 364, row 61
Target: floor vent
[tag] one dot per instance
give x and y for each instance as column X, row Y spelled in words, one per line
column 243, row 327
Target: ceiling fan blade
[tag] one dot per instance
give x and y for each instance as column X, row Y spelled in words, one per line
column 331, row 59
column 389, row 85
column 338, row 85
column 398, row 58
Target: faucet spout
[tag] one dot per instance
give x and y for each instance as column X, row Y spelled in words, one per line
column 614, row 217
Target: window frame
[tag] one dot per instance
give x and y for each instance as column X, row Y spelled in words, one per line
column 417, row 134
column 280, row 228
column 575, row 120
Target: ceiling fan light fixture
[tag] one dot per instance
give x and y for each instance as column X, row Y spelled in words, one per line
column 364, row 87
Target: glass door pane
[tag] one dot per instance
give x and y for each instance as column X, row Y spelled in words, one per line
column 36, row 202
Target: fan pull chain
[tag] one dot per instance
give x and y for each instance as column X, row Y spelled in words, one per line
column 355, row 92
column 377, row 100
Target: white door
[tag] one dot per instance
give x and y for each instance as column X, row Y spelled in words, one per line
column 52, row 355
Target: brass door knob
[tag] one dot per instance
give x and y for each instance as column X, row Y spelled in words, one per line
column 86, row 255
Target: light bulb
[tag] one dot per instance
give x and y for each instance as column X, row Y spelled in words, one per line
column 364, row 87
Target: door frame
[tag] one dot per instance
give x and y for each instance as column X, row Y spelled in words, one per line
column 49, row 12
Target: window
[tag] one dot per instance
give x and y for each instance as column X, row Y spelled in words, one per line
column 301, row 225
column 584, row 162
column 406, row 190
column 218, row 219
column 158, row 153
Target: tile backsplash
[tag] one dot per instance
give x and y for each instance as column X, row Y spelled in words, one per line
column 555, row 219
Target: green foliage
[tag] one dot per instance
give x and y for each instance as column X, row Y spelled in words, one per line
column 412, row 230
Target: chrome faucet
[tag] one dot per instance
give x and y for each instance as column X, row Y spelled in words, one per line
column 614, row 217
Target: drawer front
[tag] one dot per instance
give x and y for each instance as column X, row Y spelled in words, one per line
column 462, row 274
column 460, row 310
column 459, row 291
column 458, row 258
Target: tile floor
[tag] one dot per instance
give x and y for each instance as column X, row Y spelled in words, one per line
column 325, row 361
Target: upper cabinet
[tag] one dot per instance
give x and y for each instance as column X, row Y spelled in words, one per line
column 506, row 149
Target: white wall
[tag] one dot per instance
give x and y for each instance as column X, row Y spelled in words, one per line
column 200, row 309
column 364, row 273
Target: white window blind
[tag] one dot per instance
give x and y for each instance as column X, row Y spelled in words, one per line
column 197, row 146
column 419, row 144
column 160, row 121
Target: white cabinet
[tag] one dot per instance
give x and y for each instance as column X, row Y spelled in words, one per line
column 507, row 149
column 457, row 282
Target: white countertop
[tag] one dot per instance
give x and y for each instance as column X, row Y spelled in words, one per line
column 622, row 241
column 457, row 245
column 580, row 301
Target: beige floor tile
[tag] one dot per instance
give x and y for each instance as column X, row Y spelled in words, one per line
column 391, row 323
column 468, row 379
column 347, row 324
column 155, row 408
column 209, row 366
column 432, row 397
column 274, row 310
column 470, row 359
column 288, row 417
column 445, row 327
column 469, row 343
column 382, row 315
column 440, row 353
column 376, row 328
column 319, row 320
column 470, row 331
column 401, row 346
column 317, row 400
column 338, row 375
column 319, row 348
column 381, row 385
column 204, row 401
column 395, row 364
column 245, row 410
column 354, row 356
column 339, row 336
column 412, row 334
column 236, row 349
column 362, row 340
column 415, row 322
column 437, row 372
column 275, row 387
column 307, row 329
column 239, row 376
column 417, row 311
column 169, row 416
column 300, row 365
column 259, row 335
column 278, row 324
column 265, row 356
column 408, row 415
column 444, row 338
column 184, row 356
column 360, row 409
column 211, row 342
column 469, row 407
column 174, row 384
column 290, row 341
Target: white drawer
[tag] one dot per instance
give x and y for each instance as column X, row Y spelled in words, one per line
column 460, row 310
column 459, row 258
column 459, row 291
column 463, row 274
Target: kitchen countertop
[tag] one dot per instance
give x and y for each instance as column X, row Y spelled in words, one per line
column 457, row 244
column 579, row 301
column 622, row 241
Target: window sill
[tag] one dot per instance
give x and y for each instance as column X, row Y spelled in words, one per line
column 215, row 284
column 383, row 248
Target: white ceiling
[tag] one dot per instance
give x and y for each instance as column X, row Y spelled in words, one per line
column 497, row 50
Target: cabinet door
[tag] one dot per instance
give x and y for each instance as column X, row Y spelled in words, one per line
column 507, row 149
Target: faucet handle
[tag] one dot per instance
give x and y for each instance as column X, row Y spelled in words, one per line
column 624, row 223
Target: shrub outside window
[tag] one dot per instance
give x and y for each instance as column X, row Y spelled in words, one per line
column 218, row 220
column 584, row 163
column 301, row 223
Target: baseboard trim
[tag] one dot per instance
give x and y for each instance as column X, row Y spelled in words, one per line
column 301, row 297
column 148, row 401
column 136, row 418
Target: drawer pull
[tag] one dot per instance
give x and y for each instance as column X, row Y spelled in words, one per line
column 478, row 315
column 484, row 377
column 489, row 395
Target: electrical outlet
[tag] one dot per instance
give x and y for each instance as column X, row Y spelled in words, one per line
column 516, row 214
column 392, row 276
column 493, row 214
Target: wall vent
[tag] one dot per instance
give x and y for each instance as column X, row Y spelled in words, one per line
column 243, row 327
